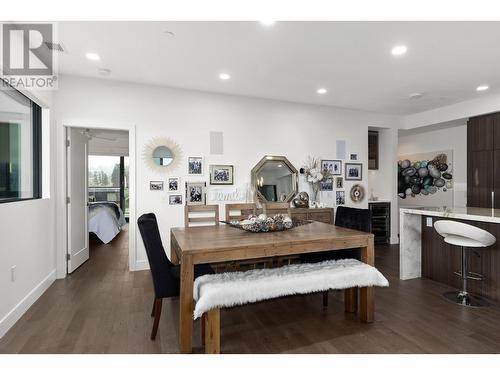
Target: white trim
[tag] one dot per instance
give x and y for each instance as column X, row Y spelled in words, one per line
column 61, row 214
column 141, row 265
column 17, row 312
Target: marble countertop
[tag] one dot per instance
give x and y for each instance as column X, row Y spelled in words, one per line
column 465, row 213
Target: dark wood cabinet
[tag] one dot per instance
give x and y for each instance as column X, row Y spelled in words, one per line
column 381, row 221
column 483, row 161
column 479, row 134
column 372, row 149
column 480, row 178
column 494, row 120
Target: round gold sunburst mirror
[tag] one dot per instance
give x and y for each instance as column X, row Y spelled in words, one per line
column 162, row 154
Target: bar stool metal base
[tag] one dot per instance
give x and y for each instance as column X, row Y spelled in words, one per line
column 465, row 299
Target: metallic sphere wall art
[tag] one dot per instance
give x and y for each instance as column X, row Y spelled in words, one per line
column 424, row 177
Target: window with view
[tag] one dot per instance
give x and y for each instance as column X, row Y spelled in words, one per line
column 20, row 147
column 108, row 180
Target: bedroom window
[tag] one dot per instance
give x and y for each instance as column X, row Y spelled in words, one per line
column 20, row 147
column 108, row 180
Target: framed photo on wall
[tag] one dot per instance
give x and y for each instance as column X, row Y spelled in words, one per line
column 156, row 185
column 221, row 175
column 353, row 171
column 339, row 182
column 326, row 185
column 340, row 197
column 173, row 184
column 195, row 165
column 195, row 193
column 353, row 156
column 331, row 167
column 175, row 199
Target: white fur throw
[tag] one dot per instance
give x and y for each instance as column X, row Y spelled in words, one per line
column 238, row 288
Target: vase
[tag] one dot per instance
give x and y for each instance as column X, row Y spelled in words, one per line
column 314, row 194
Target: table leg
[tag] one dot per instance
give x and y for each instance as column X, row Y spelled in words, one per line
column 186, row 305
column 173, row 253
column 367, row 295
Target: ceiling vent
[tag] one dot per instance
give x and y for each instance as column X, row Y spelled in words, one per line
column 55, row 47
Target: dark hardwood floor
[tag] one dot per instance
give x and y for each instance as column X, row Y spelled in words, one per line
column 103, row 308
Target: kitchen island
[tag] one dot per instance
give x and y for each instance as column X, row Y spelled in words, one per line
column 423, row 253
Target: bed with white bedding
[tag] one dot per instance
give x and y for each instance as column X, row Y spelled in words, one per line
column 106, row 220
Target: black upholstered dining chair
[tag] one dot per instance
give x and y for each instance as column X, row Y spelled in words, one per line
column 347, row 217
column 352, row 218
column 165, row 275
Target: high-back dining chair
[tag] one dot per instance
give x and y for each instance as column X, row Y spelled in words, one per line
column 243, row 211
column 165, row 275
column 275, row 208
column 352, row 218
column 205, row 214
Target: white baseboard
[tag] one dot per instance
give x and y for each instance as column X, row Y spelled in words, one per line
column 141, row 265
column 17, row 312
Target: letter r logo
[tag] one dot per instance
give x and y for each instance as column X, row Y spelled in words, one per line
column 25, row 51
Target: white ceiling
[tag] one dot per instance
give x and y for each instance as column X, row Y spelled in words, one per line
column 290, row 60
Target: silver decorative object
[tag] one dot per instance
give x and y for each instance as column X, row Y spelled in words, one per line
column 263, row 223
column 357, row 193
column 302, row 200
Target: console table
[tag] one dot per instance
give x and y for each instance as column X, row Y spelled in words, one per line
column 323, row 215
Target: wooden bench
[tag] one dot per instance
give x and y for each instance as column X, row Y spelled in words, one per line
column 213, row 292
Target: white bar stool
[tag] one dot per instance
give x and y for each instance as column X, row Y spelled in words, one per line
column 465, row 236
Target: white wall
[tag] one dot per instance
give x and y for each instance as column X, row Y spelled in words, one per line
column 27, row 236
column 450, row 138
column 252, row 128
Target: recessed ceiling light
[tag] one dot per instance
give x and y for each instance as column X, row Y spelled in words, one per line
column 322, row 91
column 92, row 56
column 267, row 22
column 224, row 76
column 482, row 88
column 399, row 50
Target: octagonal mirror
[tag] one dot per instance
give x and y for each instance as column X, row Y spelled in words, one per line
column 274, row 179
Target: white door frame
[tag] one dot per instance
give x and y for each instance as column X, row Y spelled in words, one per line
column 61, row 228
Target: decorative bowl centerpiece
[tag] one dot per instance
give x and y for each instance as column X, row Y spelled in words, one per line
column 263, row 223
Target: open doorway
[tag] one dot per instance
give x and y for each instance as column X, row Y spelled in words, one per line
column 98, row 200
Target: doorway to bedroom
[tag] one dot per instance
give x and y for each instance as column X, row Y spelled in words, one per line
column 98, row 191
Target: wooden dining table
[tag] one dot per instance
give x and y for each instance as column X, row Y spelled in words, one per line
column 223, row 243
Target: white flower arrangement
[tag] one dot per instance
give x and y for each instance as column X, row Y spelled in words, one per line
column 314, row 175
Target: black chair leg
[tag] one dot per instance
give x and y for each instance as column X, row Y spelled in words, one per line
column 153, row 310
column 157, row 317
